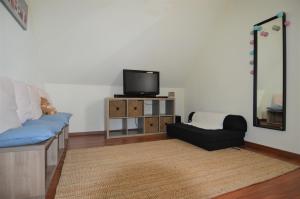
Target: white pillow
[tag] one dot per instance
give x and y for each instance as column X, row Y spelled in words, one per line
column 35, row 100
column 23, row 101
column 208, row 120
column 8, row 107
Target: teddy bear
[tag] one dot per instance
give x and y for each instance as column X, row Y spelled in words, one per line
column 46, row 107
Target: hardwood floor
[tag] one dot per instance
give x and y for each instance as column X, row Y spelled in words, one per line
column 285, row 186
column 76, row 142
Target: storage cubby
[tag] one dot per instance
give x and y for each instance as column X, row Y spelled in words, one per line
column 61, row 144
column 121, row 127
column 117, row 108
column 135, row 108
column 51, row 160
column 167, row 107
column 164, row 121
column 54, row 153
column 138, row 116
column 151, row 125
column 135, row 126
column 151, row 107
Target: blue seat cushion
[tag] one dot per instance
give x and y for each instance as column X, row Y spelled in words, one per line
column 54, row 126
column 65, row 117
column 25, row 135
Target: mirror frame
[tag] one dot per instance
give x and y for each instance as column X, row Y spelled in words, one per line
column 255, row 121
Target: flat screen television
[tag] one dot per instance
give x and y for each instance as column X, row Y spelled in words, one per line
column 139, row 83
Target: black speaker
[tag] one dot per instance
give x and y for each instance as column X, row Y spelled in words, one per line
column 177, row 119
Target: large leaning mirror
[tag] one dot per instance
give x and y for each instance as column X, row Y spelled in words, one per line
column 269, row 107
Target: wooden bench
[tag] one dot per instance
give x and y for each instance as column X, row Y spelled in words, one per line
column 27, row 171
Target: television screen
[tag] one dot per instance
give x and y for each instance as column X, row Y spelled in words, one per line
column 140, row 83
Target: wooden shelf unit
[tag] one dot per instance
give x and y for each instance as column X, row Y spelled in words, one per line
column 147, row 116
column 27, row 171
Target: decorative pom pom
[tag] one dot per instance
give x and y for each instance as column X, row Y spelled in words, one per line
column 264, row 34
column 257, row 28
column 276, row 28
column 287, row 23
column 280, row 14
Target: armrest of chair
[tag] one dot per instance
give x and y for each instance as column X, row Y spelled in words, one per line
column 235, row 123
column 190, row 116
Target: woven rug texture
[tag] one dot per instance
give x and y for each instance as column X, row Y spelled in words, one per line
column 162, row 170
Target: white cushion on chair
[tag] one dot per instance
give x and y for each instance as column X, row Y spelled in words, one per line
column 8, row 106
column 35, row 100
column 208, row 120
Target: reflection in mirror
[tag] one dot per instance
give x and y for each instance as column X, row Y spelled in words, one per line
column 269, row 73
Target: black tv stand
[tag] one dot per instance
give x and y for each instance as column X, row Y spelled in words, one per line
column 133, row 96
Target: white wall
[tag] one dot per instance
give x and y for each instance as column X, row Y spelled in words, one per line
column 87, row 103
column 96, row 39
column 17, row 48
column 221, row 81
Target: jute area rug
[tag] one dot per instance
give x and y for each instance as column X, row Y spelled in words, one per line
column 161, row 170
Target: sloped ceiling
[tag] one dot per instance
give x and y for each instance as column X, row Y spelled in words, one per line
column 91, row 41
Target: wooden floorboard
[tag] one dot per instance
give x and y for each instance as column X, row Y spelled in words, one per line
column 77, row 142
column 285, row 186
